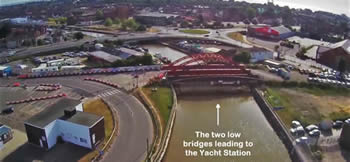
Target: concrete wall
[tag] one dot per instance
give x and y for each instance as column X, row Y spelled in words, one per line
column 296, row 152
column 52, row 133
column 72, row 133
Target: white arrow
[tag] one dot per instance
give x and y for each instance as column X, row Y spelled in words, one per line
column 217, row 114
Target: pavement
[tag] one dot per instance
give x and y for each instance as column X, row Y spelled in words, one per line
column 135, row 124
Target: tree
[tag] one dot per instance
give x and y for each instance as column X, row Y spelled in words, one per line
column 117, row 21
column 141, row 28
column 342, row 66
column 243, row 57
column 99, row 15
column 71, row 20
column 78, row 35
column 251, row 12
column 108, row 22
column 5, row 30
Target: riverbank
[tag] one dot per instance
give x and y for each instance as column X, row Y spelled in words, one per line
column 297, row 152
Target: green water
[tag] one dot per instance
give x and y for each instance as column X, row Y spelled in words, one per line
column 237, row 114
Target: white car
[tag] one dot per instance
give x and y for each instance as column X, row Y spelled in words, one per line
column 311, row 127
column 314, row 133
column 347, row 121
column 295, row 124
column 302, row 140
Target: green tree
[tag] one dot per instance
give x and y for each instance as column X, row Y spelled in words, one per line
column 108, row 22
column 251, row 12
column 117, row 21
column 78, row 35
column 5, row 30
column 71, row 20
column 342, row 66
column 141, row 28
column 243, row 57
column 100, row 15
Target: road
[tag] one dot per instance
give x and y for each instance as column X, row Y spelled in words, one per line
column 164, row 33
column 135, row 124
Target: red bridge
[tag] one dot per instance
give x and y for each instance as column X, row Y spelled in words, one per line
column 205, row 65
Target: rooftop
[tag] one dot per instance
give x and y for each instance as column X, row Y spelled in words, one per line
column 157, row 14
column 84, row 118
column 52, row 113
column 105, row 56
column 4, row 129
column 281, row 29
column 3, row 67
column 345, row 44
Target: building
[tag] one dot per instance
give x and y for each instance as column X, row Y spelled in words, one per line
column 44, row 68
column 24, row 31
column 259, row 54
column 276, row 33
column 155, row 18
column 59, row 122
column 5, row 134
column 5, row 71
column 331, row 55
column 103, row 56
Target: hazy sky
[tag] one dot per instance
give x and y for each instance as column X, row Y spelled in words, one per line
column 335, row 6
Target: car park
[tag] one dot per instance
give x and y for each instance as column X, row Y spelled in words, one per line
column 311, row 127
column 302, row 140
column 338, row 124
column 315, row 133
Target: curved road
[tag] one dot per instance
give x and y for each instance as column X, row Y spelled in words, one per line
column 134, row 122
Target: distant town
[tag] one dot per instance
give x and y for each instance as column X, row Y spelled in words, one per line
column 104, row 80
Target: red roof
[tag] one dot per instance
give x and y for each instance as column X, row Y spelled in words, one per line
column 267, row 30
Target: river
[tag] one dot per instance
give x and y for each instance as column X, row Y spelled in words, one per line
column 238, row 114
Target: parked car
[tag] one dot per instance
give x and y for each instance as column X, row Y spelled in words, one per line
column 311, row 127
column 295, row 124
column 8, row 110
column 338, row 124
column 302, row 140
column 314, row 133
column 347, row 121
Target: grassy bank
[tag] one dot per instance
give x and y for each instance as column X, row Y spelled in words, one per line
column 236, row 36
column 161, row 99
column 98, row 107
column 195, row 31
column 308, row 105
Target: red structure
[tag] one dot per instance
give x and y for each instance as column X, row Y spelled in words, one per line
column 207, row 65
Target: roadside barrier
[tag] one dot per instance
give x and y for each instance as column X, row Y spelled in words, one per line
column 103, row 82
column 91, row 71
column 35, row 99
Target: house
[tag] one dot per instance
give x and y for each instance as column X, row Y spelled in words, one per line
column 5, row 134
column 332, row 54
column 62, row 122
column 276, row 33
column 155, row 18
column 103, row 56
column 259, row 54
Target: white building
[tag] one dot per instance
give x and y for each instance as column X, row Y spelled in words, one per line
column 259, row 54
column 57, row 123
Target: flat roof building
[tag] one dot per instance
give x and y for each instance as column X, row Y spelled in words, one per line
column 104, row 56
column 61, row 120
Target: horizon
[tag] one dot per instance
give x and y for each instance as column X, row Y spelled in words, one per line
column 338, row 7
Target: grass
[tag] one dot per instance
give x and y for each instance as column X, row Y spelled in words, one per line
column 195, row 31
column 289, row 112
column 98, row 107
column 309, row 105
column 153, row 30
column 162, row 99
column 236, row 36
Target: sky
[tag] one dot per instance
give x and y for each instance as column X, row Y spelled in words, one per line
column 334, row 6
